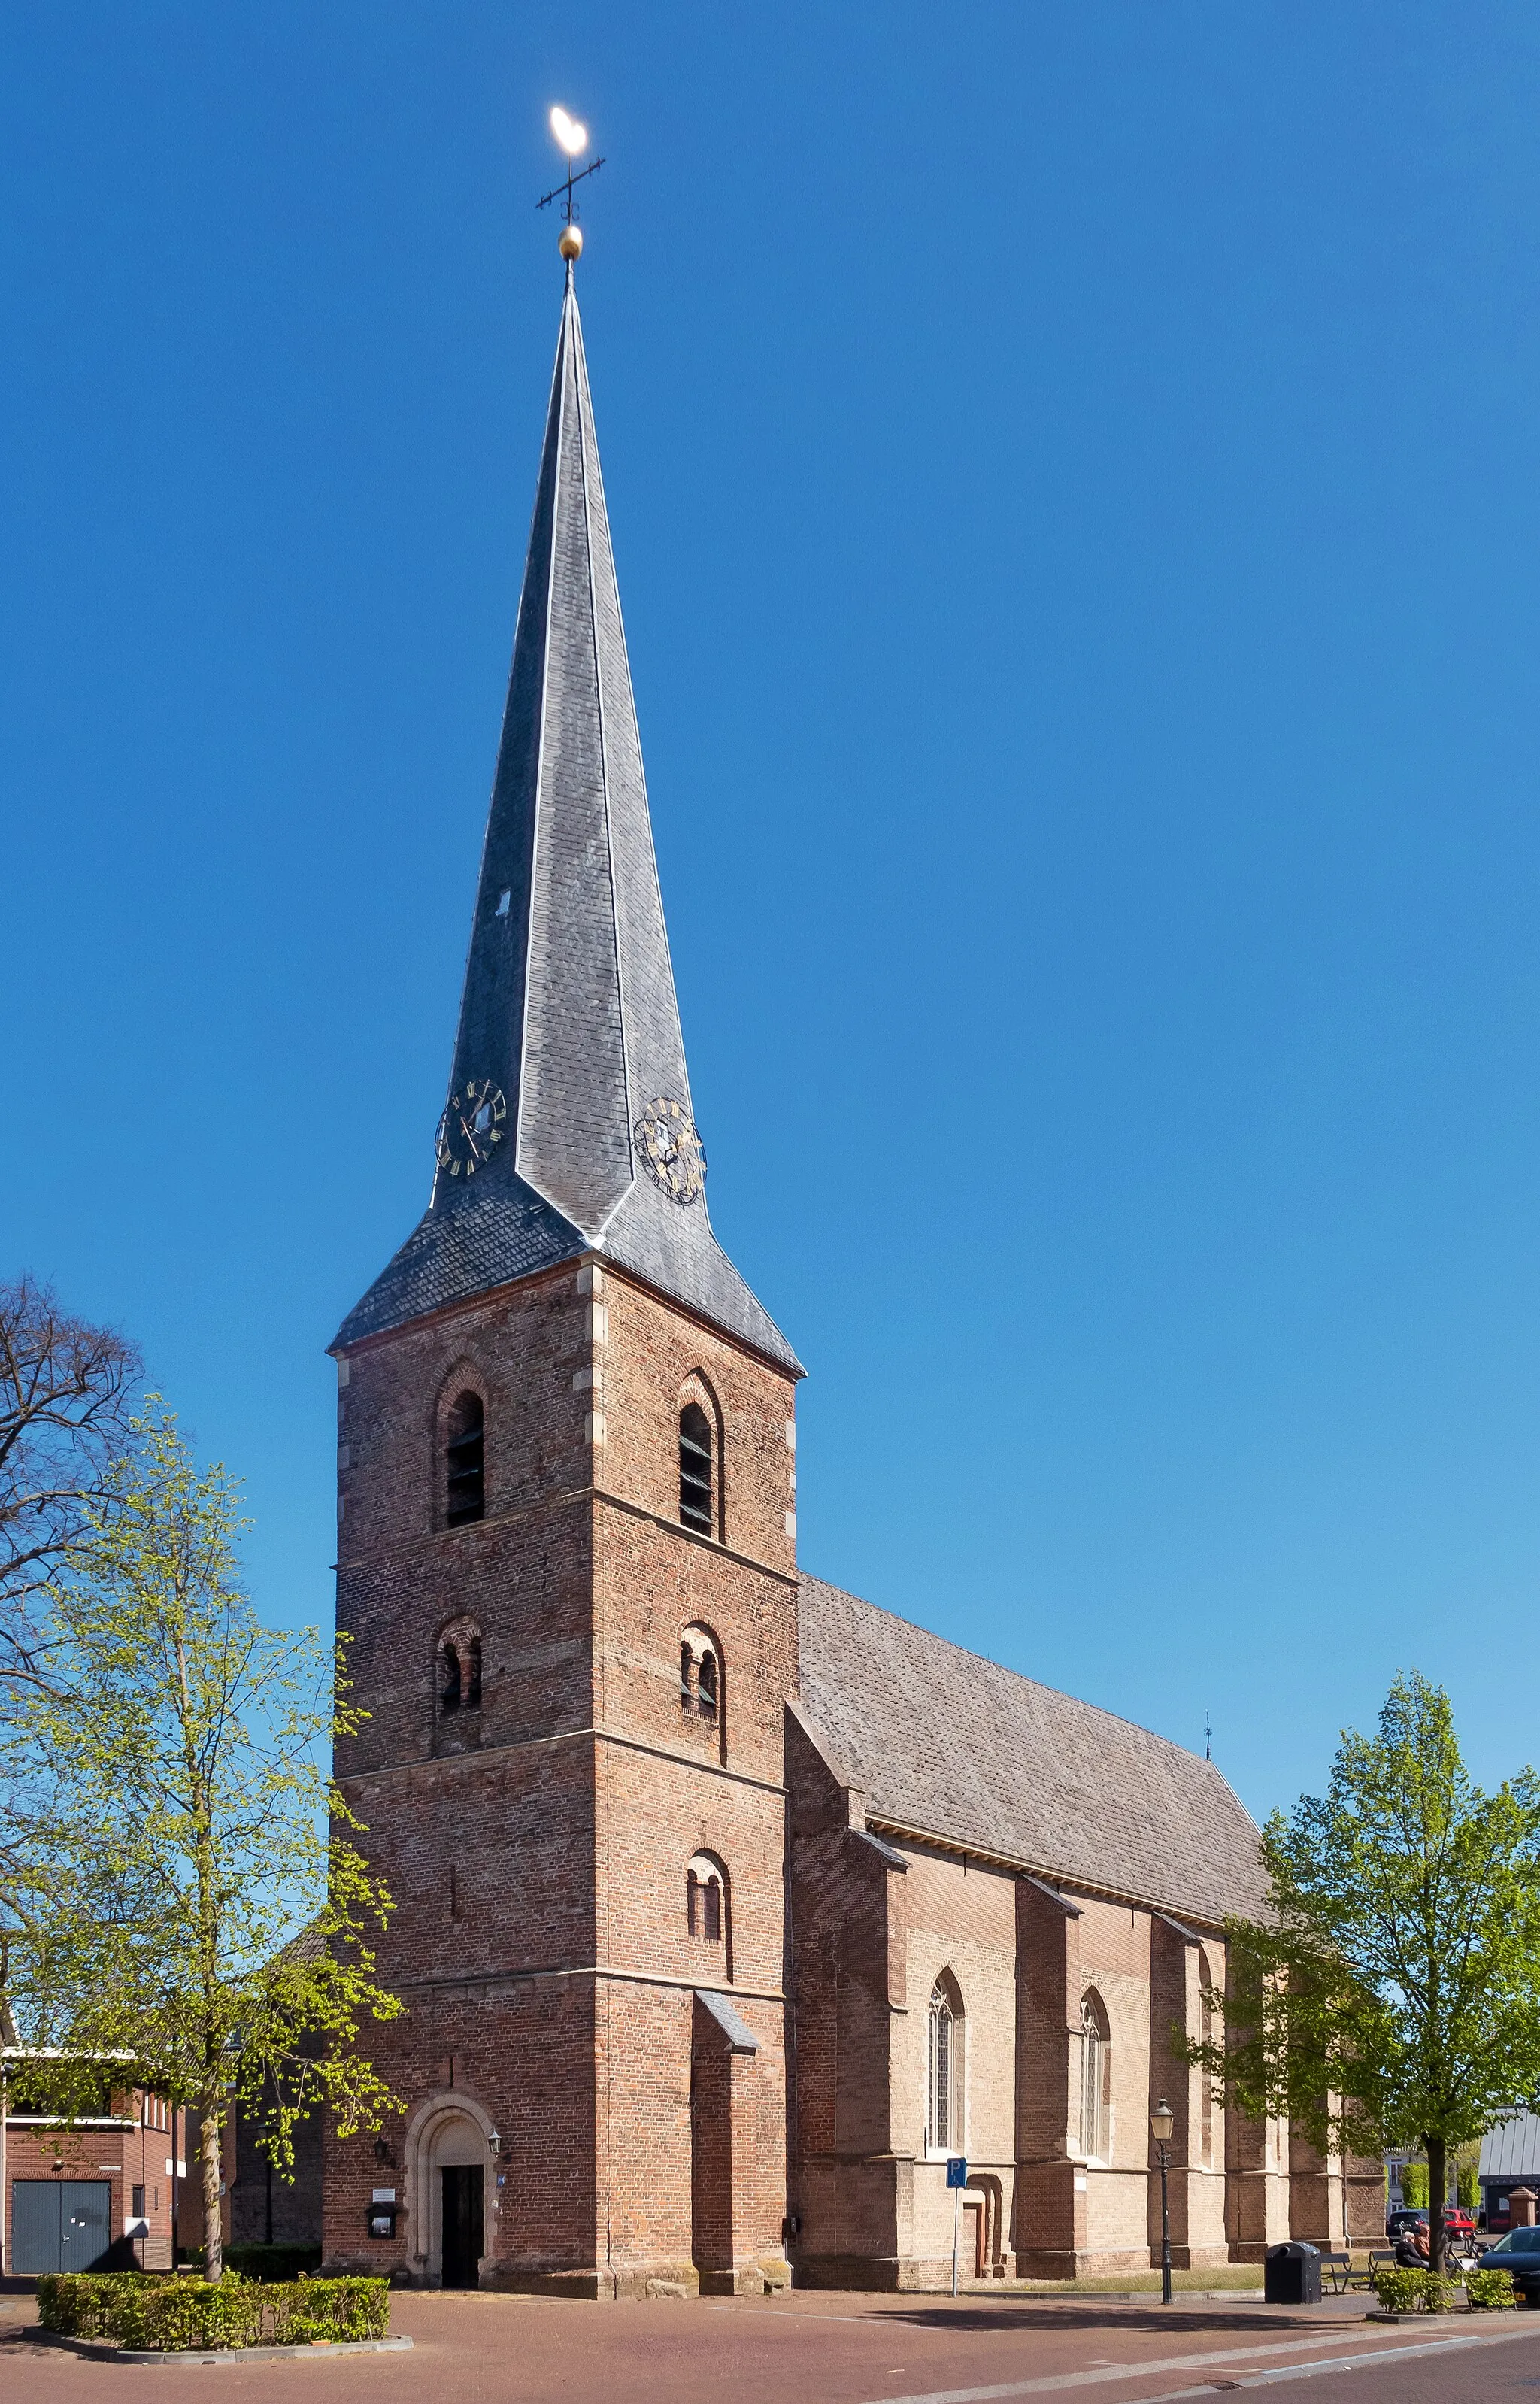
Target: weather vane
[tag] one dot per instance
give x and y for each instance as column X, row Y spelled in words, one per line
column 572, row 138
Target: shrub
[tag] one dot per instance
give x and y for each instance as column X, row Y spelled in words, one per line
column 152, row 2313
column 341, row 2309
column 1414, row 2186
column 274, row 2263
column 1404, row 2290
column 81, row 2304
column 1490, row 2291
column 188, row 2315
column 1468, row 2188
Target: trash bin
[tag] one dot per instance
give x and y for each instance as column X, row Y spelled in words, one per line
column 1292, row 2274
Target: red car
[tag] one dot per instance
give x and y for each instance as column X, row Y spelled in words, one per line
column 1459, row 2227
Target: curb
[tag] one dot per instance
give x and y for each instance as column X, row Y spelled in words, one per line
column 313, row 2349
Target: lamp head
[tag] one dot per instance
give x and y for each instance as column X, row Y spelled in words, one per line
column 1162, row 2121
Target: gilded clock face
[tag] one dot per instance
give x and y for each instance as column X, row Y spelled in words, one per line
column 471, row 1127
column 671, row 1150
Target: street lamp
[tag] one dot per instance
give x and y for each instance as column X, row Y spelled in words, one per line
column 1162, row 2121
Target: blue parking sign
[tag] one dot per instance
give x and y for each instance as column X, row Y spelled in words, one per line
column 957, row 2169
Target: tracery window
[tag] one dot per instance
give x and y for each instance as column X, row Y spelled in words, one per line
column 465, row 1456
column 705, row 1898
column 1094, row 2078
column 944, row 2103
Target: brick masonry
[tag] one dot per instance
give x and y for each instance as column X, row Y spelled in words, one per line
column 537, row 1844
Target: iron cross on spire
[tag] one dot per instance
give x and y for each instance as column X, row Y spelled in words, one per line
column 572, row 139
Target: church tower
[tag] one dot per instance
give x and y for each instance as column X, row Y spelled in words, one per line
column 566, row 1564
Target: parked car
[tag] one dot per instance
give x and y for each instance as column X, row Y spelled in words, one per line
column 1517, row 2252
column 1459, row 2227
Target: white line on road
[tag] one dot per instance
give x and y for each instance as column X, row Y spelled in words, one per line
column 1347, row 2362
column 1233, row 2354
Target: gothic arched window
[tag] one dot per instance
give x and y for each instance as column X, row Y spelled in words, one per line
column 465, row 1455
column 944, row 2098
column 1094, row 2078
column 697, row 1482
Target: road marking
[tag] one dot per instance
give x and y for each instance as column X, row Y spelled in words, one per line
column 1254, row 2379
column 1058, row 2380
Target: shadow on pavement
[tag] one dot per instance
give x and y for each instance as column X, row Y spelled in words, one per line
column 1181, row 2321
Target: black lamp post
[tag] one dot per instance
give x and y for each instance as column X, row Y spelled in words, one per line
column 1162, row 2121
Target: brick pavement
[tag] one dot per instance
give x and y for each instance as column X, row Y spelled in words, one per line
column 846, row 2349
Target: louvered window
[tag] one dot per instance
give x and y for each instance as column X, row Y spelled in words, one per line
column 465, row 1455
column 695, row 1467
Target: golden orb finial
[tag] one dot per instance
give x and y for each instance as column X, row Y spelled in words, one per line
column 570, row 242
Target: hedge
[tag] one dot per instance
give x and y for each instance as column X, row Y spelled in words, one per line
column 1490, row 2291
column 154, row 2313
column 277, row 2262
column 1405, row 2290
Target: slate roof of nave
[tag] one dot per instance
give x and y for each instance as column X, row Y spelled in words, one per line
column 945, row 1744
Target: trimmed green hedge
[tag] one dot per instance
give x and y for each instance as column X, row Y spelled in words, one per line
column 153, row 2313
column 275, row 2262
column 1490, row 2291
column 1404, row 2290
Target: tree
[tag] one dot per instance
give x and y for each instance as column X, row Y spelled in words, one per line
column 169, row 1798
column 65, row 1394
column 65, row 1397
column 1392, row 1997
column 1414, row 2187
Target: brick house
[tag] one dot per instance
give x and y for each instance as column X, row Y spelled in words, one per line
column 729, row 1906
column 101, row 2194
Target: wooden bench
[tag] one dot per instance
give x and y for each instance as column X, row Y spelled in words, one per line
column 1337, row 2270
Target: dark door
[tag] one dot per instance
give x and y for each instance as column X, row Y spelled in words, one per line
column 462, row 2199
column 86, row 2237
column 61, row 2224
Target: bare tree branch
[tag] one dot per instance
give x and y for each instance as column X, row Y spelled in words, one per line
column 67, row 1395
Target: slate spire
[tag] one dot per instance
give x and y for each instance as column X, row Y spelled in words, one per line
column 570, row 1125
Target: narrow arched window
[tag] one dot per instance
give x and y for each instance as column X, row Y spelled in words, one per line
column 696, row 1471
column 1095, row 2071
column 465, row 1454
column 944, row 2104
column 459, row 1667
column 1206, row 1975
column 705, row 1900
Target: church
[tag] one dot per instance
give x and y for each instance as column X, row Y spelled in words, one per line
column 730, row 1908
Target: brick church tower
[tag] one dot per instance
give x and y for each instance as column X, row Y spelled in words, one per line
column 567, row 1561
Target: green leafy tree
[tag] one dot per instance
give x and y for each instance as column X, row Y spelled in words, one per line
column 192, row 1908
column 1392, row 1997
column 1414, row 2187
column 1469, row 2188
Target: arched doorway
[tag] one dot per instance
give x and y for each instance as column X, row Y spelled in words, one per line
column 448, row 2149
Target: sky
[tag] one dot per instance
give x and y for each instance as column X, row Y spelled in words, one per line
column 1074, row 487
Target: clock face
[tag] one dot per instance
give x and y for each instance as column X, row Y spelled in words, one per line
column 672, row 1152
column 471, row 1127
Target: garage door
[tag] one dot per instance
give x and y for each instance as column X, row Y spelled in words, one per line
column 61, row 2224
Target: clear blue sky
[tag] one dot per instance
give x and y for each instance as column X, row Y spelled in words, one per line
column 1074, row 474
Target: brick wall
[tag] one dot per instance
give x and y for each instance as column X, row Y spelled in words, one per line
column 538, row 1846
